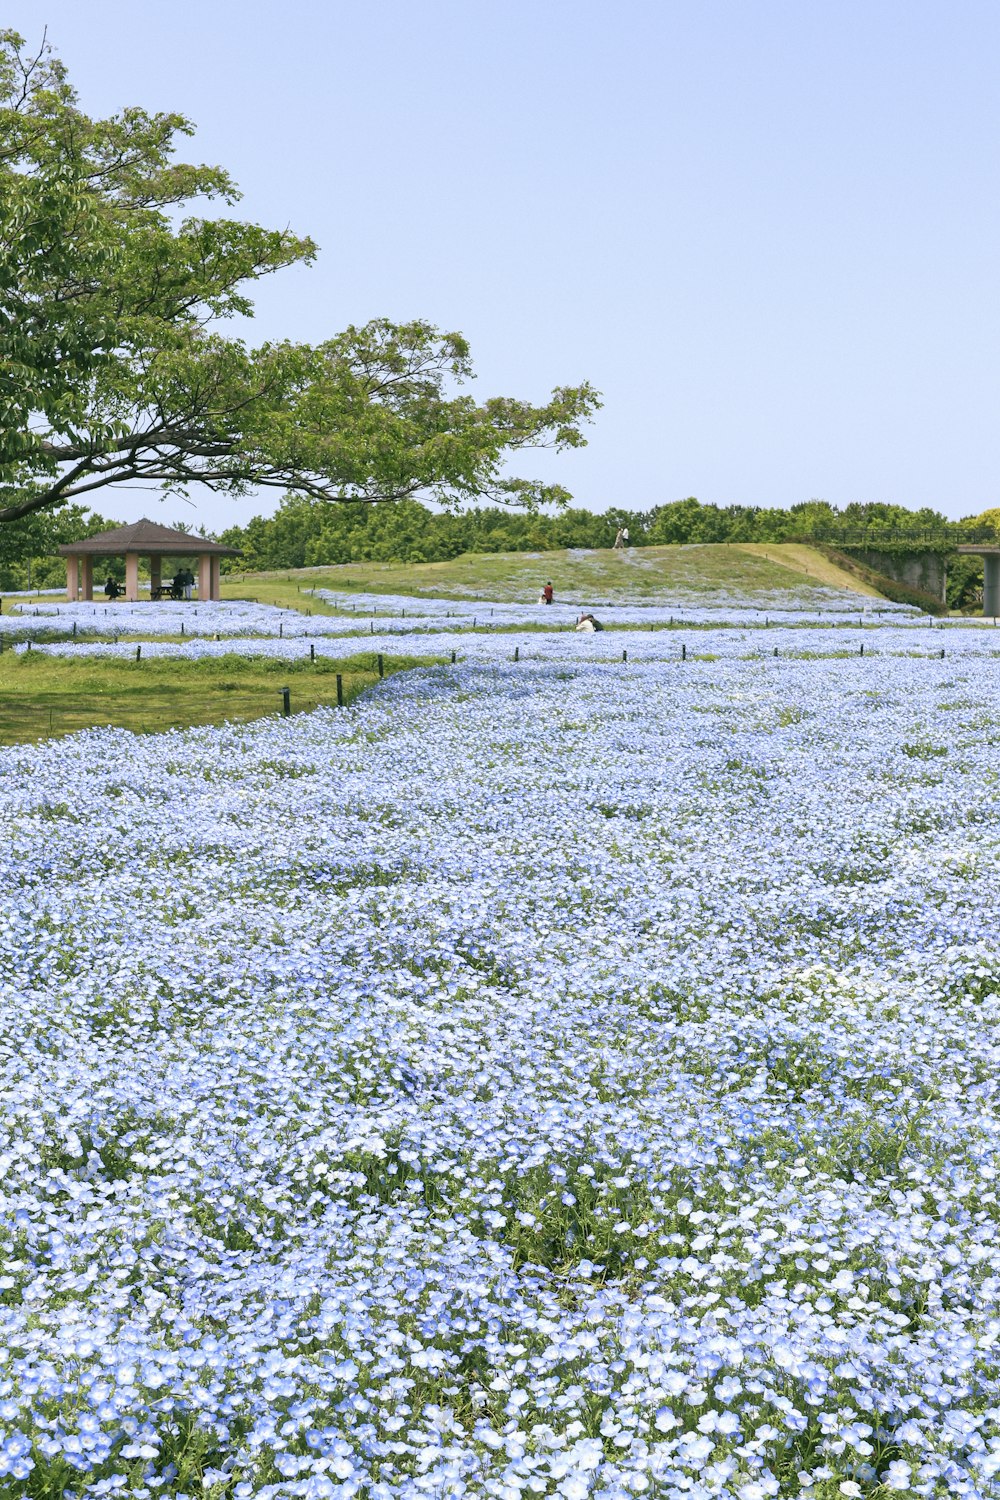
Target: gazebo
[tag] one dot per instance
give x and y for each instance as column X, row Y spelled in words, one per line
column 142, row 539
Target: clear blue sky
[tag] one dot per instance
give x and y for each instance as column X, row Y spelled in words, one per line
column 767, row 231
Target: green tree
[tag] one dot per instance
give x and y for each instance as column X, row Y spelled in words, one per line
column 113, row 368
column 810, row 517
column 28, row 546
column 688, row 521
column 987, row 520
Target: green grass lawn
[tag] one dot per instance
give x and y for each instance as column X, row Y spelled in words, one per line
column 285, row 590
column 42, row 696
column 641, row 574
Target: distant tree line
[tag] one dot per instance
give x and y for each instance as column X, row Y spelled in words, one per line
column 304, row 533
column 307, row 533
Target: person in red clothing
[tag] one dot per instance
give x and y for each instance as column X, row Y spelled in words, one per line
column 547, row 593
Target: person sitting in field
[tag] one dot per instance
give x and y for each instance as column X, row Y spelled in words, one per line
column 112, row 588
column 588, row 622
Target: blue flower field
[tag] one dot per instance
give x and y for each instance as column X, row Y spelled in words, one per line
column 565, row 1077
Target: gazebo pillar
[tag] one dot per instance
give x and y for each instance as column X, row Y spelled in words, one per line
column 216, row 578
column 205, row 576
column 87, row 575
column 132, row 577
column 72, row 577
column 154, row 573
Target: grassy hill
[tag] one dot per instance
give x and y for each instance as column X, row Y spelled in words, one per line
column 642, row 574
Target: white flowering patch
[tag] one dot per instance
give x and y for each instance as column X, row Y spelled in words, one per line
column 787, row 606
column 829, row 637
column 684, row 593
column 360, row 613
column 231, row 617
column 566, row 1077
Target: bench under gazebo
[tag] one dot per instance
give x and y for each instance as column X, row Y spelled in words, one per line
column 143, row 539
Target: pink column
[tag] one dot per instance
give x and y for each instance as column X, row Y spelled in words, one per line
column 154, row 573
column 216, row 578
column 72, row 578
column 205, row 576
column 87, row 576
column 131, row 576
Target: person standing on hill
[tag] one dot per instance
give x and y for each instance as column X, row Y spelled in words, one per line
column 619, row 540
column 547, row 594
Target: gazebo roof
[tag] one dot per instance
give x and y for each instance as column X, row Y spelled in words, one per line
column 146, row 537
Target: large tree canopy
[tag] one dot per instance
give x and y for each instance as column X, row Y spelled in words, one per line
column 113, row 370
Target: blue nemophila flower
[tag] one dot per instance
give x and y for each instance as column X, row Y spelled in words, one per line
column 564, row 1077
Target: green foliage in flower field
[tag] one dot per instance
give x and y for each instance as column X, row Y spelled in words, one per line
column 42, row 696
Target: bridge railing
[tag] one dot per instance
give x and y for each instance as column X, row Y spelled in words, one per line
column 955, row 535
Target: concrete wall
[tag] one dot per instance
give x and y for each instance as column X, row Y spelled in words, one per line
column 918, row 570
column 991, row 584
